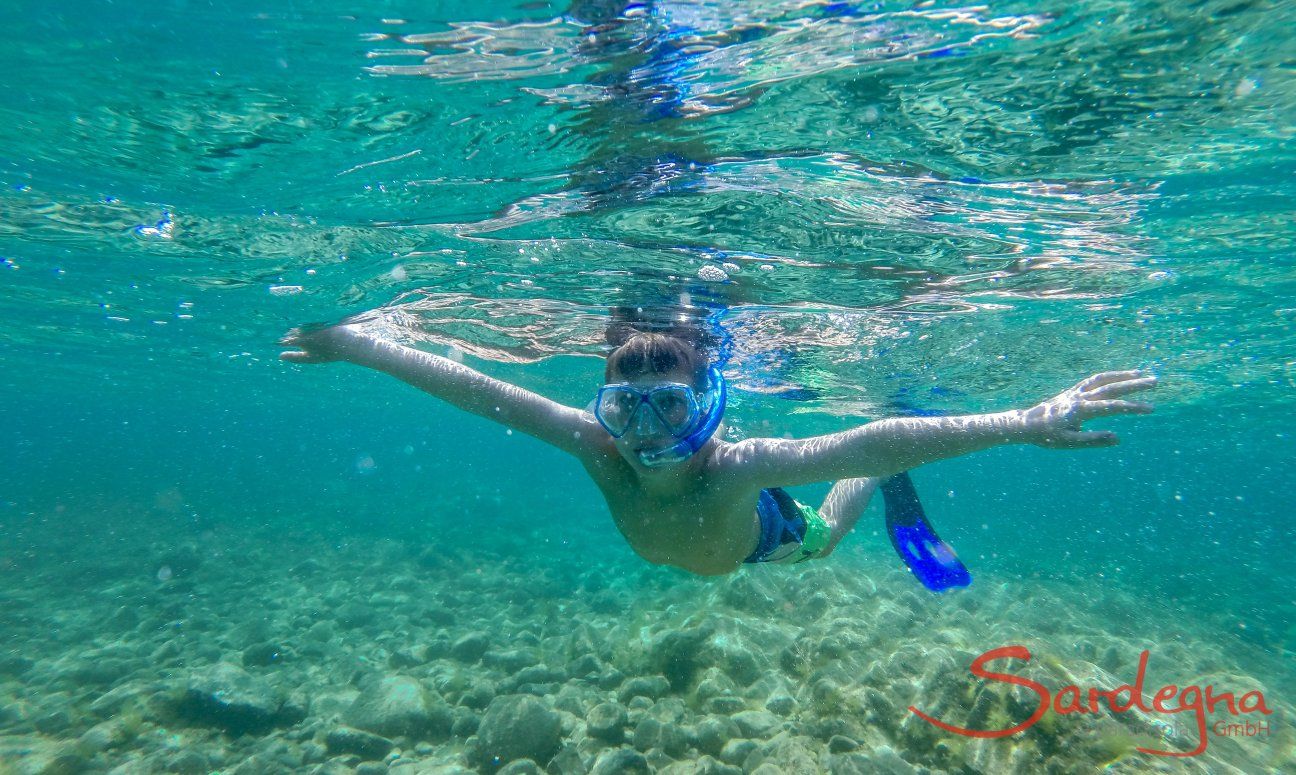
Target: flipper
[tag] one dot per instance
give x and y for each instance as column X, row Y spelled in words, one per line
column 931, row 559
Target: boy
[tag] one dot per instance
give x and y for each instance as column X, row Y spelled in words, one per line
column 679, row 494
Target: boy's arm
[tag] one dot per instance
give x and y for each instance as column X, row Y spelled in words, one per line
column 562, row 426
column 890, row 446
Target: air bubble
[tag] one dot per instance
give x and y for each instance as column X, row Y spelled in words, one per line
column 712, row 274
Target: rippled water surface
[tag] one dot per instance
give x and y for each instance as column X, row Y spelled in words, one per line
column 984, row 199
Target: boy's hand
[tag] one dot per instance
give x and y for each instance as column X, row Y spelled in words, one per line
column 319, row 344
column 1056, row 422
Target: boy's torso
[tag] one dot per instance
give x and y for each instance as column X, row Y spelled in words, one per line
column 709, row 528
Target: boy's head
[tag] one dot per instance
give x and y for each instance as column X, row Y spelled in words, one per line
column 661, row 401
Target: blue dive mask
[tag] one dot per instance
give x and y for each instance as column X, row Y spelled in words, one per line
column 673, row 406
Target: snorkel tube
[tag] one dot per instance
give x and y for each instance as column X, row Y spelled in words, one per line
column 705, row 430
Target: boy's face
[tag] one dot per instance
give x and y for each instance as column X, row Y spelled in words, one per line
column 646, row 431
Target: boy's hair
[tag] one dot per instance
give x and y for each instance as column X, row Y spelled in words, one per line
column 655, row 341
column 651, row 353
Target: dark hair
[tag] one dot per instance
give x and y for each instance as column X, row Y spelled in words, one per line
column 653, row 345
column 645, row 352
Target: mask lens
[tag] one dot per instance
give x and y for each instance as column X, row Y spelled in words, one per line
column 616, row 407
column 676, row 407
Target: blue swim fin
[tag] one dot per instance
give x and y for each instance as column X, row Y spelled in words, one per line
column 931, row 559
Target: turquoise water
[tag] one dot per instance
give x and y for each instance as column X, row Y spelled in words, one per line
column 899, row 207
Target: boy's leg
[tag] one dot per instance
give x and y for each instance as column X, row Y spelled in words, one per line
column 843, row 507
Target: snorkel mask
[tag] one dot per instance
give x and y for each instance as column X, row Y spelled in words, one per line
column 674, row 407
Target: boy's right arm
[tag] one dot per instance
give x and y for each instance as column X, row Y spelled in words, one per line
column 571, row 430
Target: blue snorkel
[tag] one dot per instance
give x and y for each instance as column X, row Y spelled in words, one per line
column 705, row 429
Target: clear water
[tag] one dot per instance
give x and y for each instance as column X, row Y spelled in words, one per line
column 903, row 207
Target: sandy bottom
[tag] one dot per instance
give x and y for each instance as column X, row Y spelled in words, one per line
column 264, row 651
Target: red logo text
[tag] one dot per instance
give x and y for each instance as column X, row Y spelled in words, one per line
column 1196, row 700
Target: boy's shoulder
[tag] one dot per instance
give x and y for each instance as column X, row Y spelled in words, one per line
column 736, row 464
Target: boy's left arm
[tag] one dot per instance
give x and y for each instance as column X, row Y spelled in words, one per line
column 890, row 446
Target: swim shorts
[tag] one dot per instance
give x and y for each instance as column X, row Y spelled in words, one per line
column 790, row 531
